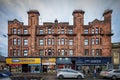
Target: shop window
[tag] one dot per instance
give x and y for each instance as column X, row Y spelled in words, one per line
column 41, row 31
column 71, row 42
column 25, row 52
column 86, row 52
column 25, row 42
column 41, row 42
column 25, row 31
column 14, row 41
column 86, row 42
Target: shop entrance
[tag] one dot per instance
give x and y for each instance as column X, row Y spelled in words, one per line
column 25, row 68
column 44, row 68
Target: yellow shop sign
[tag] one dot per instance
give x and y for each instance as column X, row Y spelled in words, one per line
column 23, row 60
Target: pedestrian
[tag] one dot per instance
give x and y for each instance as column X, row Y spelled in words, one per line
column 94, row 73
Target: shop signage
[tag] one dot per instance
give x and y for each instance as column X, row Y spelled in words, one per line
column 93, row 60
column 23, row 60
column 116, row 58
column 48, row 61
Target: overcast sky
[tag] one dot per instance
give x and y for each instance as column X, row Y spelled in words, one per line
column 60, row 9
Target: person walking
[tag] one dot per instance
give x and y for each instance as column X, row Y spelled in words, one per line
column 94, row 73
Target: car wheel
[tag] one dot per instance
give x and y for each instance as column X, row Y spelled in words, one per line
column 79, row 77
column 61, row 77
column 114, row 77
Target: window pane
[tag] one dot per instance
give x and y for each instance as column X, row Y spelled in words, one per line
column 85, row 31
column 62, row 31
column 97, row 30
column 86, row 52
column 86, row 42
column 41, row 52
column 25, row 42
column 58, row 41
column 25, row 31
column 70, row 42
column 58, row 31
column 93, row 52
column 41, row 31
column 62, row 41
column 41, row 42
column 14, row 41
column 49, row 31
column 70, row 52
column 25, row 52
column 14, row 30
column 62, row 52
column 52, row 41
column 19, row 42
column 18, row 52
column 70, row 31
column 18, row 31
column 52, row 31
column 14, row 52
column 97, row 41
column 93, row 41
column 93, row 31
column 49, row 42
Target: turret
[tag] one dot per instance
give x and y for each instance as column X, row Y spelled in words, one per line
column 33, row 17
column 107, row 15
column 78, row 17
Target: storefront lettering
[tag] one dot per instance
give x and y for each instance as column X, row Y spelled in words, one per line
column 92, row 61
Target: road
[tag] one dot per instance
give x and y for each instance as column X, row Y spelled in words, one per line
column 53, row 77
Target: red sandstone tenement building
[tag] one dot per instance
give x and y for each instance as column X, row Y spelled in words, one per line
column 53, row 45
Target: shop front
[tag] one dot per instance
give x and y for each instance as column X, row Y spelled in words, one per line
column 48, row 65
column 63, row 63
column 89, row 63
column 19, row 65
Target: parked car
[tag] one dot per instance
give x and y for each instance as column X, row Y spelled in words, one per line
column 69, row 73
column 5, row 73
column 113, row 74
